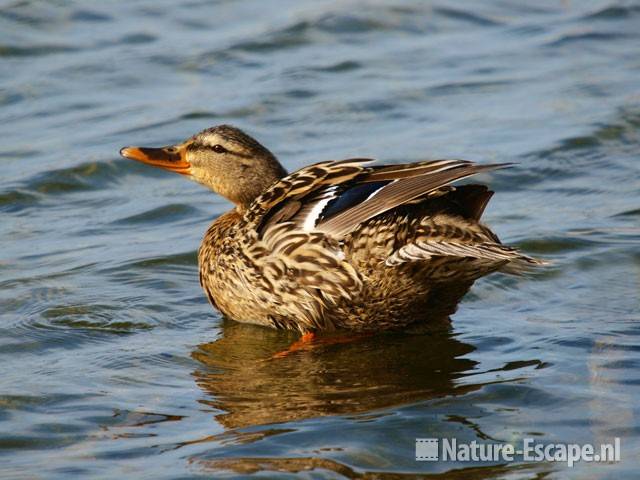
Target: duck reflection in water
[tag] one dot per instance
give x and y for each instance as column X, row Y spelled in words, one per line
column 249, row 387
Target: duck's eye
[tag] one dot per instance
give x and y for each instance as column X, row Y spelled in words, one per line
column 219, row 149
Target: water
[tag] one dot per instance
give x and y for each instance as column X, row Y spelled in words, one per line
column 113, row 364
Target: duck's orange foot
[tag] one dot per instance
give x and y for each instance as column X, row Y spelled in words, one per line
column 309, row 341
column 305, row 342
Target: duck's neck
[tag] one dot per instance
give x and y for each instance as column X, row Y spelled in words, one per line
column 253, row 185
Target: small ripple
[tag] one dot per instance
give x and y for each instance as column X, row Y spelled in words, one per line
column 147, row 126
column 528, row 30
column 345, row 66
column 231, row 58
column 467, row 16
column 625, row 130
column 614, row 12
column 187, row 258
column 86, row 176
column 578, row 143
column 580, row 342
column 517, row 178
column 44, row 435
column 22, row 153
column 468, row 86
column 129, row 272
column 292, row 36
column 566, row 156
column 320, row 467
column 10, row 98
column 16, row 200
column 628, row 213
column 91, row 317
column 304, row 32
column 299, row 93
column 90, row 16
column 29, row 303
column 47, row 324
column 554, row 245
column 24, row 14
column 37, row 339
column 138, row 39
column 348, row 23
column 518, row 395
column 485, row 343
column 84, row 320
column 374, row 106
column 608, row 236
column 21, row 442
column 582, row 37
column 33, row 50
column 123, row 363
column 622, row 364
column 130, row 418
column 33, row 402
column 165, row 213
column 198, row 114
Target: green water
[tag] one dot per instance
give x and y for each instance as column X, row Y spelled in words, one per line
column 113, row 365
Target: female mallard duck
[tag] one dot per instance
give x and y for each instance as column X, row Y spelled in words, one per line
column 338, row 244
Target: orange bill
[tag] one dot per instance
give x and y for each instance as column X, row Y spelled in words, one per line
column 170, row 158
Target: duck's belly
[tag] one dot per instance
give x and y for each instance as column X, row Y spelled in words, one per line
column 391, row 298
column 260, row 282
column 236, row 292
column 227, row 277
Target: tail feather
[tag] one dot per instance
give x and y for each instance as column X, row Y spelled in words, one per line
column 513, row 261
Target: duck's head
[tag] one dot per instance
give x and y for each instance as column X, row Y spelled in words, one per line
column 223, row 158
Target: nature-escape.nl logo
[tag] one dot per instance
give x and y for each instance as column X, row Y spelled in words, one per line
column 449, row 449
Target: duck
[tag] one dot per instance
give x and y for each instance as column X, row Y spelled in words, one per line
column 348, row 245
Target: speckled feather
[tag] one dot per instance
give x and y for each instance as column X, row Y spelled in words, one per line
column 372, row 266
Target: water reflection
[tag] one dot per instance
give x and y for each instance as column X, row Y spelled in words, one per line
column 249, row 388
column 284, row 466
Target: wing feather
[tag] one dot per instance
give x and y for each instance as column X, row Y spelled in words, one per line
column 267, row 209
column 333, row 197
column 427, row 178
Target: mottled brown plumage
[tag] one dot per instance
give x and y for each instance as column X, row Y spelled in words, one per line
column 335, row 245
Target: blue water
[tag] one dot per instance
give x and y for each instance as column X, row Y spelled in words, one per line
column 113, row 365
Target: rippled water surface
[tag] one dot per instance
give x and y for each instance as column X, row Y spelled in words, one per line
column 114, row 365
